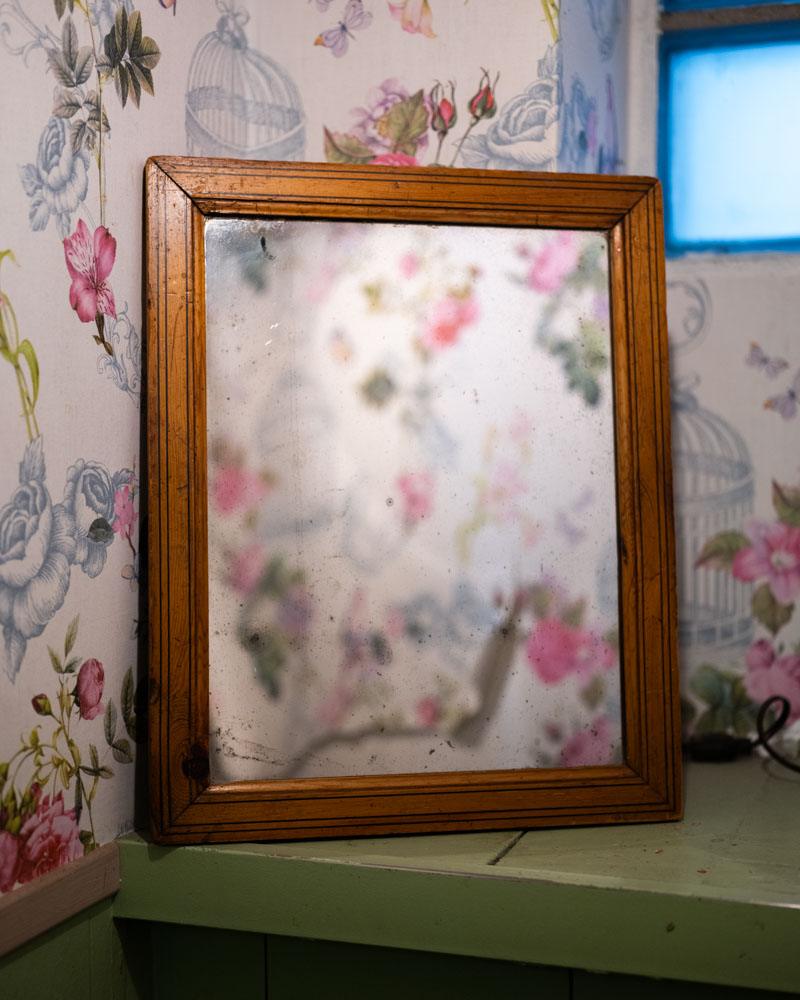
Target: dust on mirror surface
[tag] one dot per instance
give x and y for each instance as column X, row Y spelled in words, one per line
column 412, row 527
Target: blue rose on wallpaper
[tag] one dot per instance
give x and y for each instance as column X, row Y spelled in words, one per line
column 37, row 548
column 89, row 499
column 103, row 12
column 58, row 181
column 525, row 134
column 580, row 131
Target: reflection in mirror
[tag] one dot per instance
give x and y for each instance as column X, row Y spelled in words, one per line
column 412, row 532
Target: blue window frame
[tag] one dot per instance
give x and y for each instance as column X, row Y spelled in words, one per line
column 729, row 137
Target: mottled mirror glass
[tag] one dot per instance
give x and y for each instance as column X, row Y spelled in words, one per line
column 412, row 527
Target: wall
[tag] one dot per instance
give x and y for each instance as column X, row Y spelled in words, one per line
column 88, row 90
column 734, row 366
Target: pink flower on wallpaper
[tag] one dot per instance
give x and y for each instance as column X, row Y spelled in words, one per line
column 50, row 838
column 769, row 675
column 417, row 492
column 551, row 265
column 371, row 121
column 90, row 689
column 445, row 320
column 89, row 262
column 234, row 488
column 555, row 650
column 247, row 568
column 124, row 514
column 774, row 555
column 396, row 160
column 10, row 860
column 415, row 16
column 591, row 746
column 429, row 711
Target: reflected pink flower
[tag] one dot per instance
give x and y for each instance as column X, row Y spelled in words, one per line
column 415, row 16
column 417, row 490
column 296, row 611
column 445, row 320
column 235, row 488
column 10, row 860
column 775, row 555
column 591, row 746
column 89, row 262
column 51, row 838
column 409, row 264
column 500, row 495
column 247, row 568
column 429, row 711
column 555, row 650
column 552, row 264
column 769, row 675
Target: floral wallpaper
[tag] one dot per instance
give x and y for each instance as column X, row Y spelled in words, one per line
column 88, row 90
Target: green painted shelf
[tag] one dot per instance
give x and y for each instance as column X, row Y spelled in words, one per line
column 712, row 899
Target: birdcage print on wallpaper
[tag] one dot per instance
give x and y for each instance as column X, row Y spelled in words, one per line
column 239, row 102
column 714, row 489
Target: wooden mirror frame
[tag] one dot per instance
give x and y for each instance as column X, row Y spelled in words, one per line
column 186, row 807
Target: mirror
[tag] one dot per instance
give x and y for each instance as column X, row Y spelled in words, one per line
column 410, row 509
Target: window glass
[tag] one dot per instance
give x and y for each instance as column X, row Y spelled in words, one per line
column 730, row 138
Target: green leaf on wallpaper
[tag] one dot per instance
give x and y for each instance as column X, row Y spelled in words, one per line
column 343, row 148
column 80, row 136
column 78, row 804
column 72, row 635
column 61, row 6
column 720, row 551
column 786, row 501
column 129, row 56
column 66, row 104
column 768, row 611
column 93, row 756
column 73, row 63
column 55, row 660
column 27, row 352
column 128, row 704
column 406, row 123
column 729, row 705
column 110, row 722
column 72, row 665
column 121, row 749
column 93, row 119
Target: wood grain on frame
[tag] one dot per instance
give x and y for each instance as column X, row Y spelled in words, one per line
column 186, row 807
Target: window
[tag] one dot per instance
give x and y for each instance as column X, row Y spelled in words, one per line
column 729, row 136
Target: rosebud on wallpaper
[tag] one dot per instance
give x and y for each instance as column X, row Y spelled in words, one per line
column 88, row 90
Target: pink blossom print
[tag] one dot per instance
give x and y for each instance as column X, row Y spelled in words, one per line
column 247, row 568
column 51, row 839
column 10, row 860
column 446, row 319
column 90, row 689
column 774, row 555
column 415, row 16
column 551, row 265
column 555, row 650
column 417, row 492
column 769, row 674
column 89, row 263
column 396, row 160
column 124, row 514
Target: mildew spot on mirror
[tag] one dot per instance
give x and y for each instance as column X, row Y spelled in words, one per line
column 412, row 528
